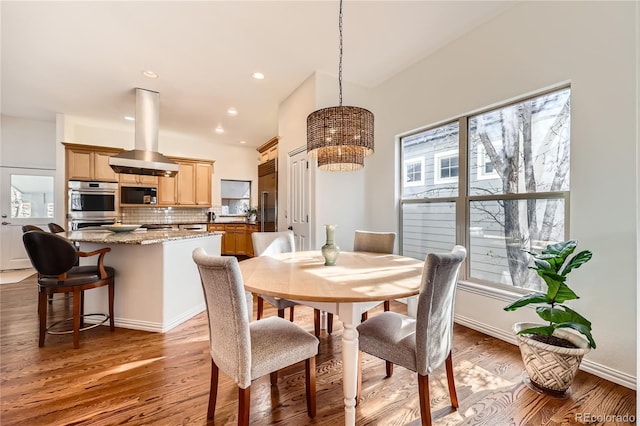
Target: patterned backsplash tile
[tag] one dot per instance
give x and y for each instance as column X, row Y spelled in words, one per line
column 162, row 215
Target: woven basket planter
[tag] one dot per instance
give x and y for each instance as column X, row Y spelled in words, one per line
column 551, row 368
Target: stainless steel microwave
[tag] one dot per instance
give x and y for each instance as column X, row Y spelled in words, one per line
column 138, row 195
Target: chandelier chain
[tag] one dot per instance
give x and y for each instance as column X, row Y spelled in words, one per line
column 340, row 62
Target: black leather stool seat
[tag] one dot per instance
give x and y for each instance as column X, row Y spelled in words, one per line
column 78, row 275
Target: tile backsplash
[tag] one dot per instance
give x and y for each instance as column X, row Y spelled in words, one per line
column 162, row 215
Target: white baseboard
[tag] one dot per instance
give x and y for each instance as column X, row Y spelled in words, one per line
column 594, row 368
column 155, row 327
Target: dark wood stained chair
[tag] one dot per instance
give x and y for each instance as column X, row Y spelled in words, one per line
column 54, row 257
column 55, row 228
column 27, row 228
column 246, row 350
column 424, row 343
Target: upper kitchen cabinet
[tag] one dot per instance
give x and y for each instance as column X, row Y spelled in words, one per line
column 204, row 171
column 269, row 150
column 138, row 180
column 89, row 163
column 190, row 187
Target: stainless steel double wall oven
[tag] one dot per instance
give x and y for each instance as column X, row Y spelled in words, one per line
column 92, row 204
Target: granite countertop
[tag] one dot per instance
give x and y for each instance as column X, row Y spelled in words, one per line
column 141, row 237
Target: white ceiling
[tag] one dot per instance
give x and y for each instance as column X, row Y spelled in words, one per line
column 86, row 58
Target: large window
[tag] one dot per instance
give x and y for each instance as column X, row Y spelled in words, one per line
column 499, row 188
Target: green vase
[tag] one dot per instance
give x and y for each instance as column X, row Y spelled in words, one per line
column 330, row 251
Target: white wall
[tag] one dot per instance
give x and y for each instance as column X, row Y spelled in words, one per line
column 337, row 198
column 340, row 196
column 292, row 129
column 231, row 162
column 533, row 46
column 27, row 143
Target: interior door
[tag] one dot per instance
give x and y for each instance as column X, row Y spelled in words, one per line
column 26, row 198
column 299, row 198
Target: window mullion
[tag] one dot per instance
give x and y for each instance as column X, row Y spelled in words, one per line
column 462, row 210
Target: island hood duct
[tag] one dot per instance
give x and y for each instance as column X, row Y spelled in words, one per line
column 145, row 158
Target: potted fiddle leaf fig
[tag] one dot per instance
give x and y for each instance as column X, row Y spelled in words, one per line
column 552, row 351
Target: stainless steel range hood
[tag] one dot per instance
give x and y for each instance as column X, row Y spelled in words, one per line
column 145, row 158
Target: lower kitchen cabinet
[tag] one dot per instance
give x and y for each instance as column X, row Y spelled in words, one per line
column 237, row 237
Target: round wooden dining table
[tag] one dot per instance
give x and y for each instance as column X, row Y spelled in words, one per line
column 358, row 282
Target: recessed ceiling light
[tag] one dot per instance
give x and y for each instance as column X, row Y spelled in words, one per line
column 243, row 142
column 150, row 74
column 258, row 75
column 129, row 118
column 232, row 111
column 219, row 130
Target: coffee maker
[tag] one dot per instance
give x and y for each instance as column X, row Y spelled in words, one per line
column 211, row 217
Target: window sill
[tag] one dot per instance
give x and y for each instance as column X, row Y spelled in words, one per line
column 490, row 292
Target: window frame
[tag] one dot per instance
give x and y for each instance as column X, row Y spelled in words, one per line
column 463, row 199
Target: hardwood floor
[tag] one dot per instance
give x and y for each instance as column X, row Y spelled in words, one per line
column 134, row 378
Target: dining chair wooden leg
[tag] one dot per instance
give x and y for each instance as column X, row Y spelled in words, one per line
column 77, row 295
column 425, row 402
column 316, row 322
column 244, row 403
column 310, row 385
column 274, row 378
column 329, row 323
column 42, row 316
column 291, row 314
column 260, row 307
column 112, row 320
column 450, row 381
column 82, row 309
column 213, row 390
column 364, row 317
column 281, row 313
column 389, row 367
column 387, row 305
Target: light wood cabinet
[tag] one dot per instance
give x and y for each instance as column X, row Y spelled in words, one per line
column 236, row 239
column 250, row 230
column 186, row 183
column 138, row 180
column 89, row 163
column 203, row 183
column 167, row 191
column 269, row 150
column 190, row 187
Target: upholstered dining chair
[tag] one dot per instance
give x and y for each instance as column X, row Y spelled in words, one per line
column 27, row 228
column 373, row 242
column 53, row 257
column 424, row 343
column 264, row 244
column 246, row 350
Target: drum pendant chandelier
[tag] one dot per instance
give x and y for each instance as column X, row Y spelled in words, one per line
column 341, row 136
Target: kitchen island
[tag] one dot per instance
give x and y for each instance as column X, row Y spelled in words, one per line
column 157, row 285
